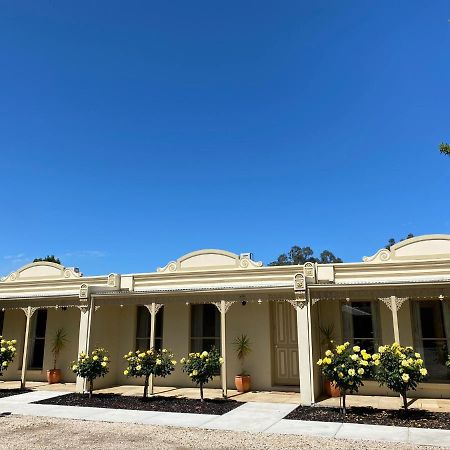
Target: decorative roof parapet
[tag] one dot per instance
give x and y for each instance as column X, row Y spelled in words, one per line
column 210, row 259
column 42, row 270
column 426, row 247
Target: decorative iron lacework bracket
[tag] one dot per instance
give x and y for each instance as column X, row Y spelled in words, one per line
column 228, row 303
column 398, row 301
column 158, row 306
column 32, row 310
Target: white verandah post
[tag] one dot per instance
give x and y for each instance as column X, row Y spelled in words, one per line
column 29, row 311
column 84, row 338
column 152, row 309
column 394, row 304
column 223, row 347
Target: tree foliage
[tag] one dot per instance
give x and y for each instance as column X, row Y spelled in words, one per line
column 346, row 367
column 400, row 369
column 202, row 367
column 444, row 148
column 158, row 363
column 7, row 353
column 91, row 366
column 392, row 241
column 48, row 258
column 302, row 255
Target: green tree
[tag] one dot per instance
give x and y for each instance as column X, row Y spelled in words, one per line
column 48, row 258
column 444, row 148
column 392, row 241
column 301, row 255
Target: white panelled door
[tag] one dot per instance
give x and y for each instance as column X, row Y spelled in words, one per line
column 285, row 346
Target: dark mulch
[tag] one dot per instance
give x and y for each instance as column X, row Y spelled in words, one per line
column 156, row 403
column 411, row 418
column 9, row 392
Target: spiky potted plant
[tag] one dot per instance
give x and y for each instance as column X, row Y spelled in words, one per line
column 59, row 342
column 242, row 348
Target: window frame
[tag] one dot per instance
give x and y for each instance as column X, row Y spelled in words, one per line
column 376, row 323
column 158, row 338
column 202, row 338
column 34, row 338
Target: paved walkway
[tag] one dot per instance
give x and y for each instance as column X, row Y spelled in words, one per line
column 253, row 417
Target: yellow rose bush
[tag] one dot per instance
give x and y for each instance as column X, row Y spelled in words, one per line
column 346, row 367
column 202, row 367
column 91, row 366
column 7, row 353
column 399, row 368
column 158, row 363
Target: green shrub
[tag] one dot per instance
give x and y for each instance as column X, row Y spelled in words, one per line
column 91, row 366
column 158, row 363
column 400, row 369
column 7, row 353
column 202, row 367
column 346, row 367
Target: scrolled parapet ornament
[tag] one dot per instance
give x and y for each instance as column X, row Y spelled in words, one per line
column 169, row 267
column 382, row 255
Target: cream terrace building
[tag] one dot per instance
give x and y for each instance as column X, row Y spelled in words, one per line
column 209, row 297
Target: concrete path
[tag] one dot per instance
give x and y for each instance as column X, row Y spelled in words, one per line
column 250, row 417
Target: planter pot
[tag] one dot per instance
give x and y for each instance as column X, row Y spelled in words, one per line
column 242, row 383
column 54, row 376
column 330, row 389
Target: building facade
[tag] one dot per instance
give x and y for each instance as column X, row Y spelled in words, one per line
column 208, row 298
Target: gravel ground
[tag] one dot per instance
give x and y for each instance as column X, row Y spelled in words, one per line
column 19, row 432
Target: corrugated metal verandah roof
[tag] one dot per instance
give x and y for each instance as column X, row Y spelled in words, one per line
column 194, row 289
column 403, row 282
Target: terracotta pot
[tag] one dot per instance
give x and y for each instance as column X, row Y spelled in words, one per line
column 331, row 390
column 54, row 376
column 242, row 383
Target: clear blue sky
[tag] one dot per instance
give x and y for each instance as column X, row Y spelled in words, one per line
column 134, row 132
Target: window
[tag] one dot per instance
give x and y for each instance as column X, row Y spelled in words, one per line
column 143, row 328
column 39, row 325
column 432, row 330
column 360, row 324
column 2, row 321
column 205, row 328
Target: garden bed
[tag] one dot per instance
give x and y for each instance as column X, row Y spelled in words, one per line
column 373, row 416
column 155, row 403
column 9, row 392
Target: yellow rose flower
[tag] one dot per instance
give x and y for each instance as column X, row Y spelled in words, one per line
column 104, row 364
column 125, row 372
column 319, row 363
column 405, row 377
column 354, row 357
column 417, row 355
column 328, row 353
column 377, row 362
column 423, row 371
column 158, row 362
column 95, row 358
column 351, row 372
column 138, row 368
column 194, row 373
column 356, row 348
column 360, row 371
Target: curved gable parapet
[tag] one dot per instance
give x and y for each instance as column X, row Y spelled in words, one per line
column 43, row 270
column 426, row 247
column 210, row 259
